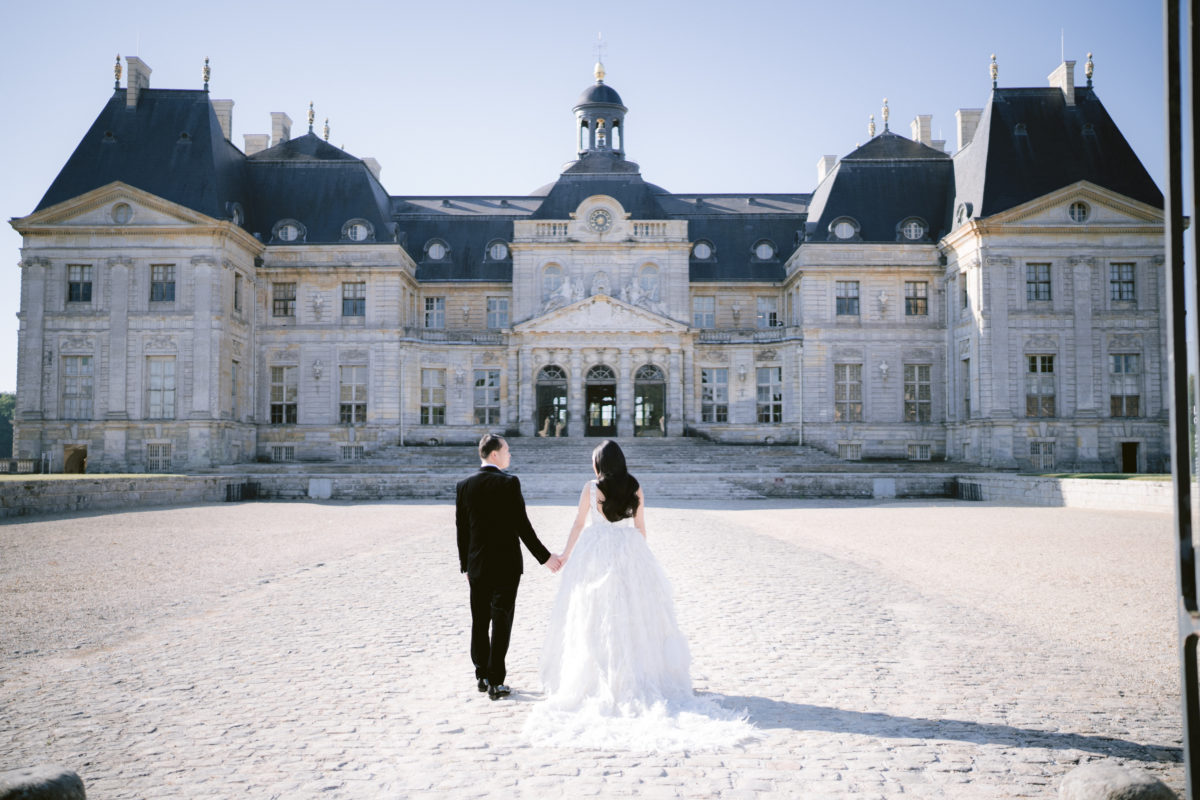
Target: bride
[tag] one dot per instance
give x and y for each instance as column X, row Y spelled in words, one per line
column 615, row 666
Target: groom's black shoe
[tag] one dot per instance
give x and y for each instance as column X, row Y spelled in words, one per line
column 498, row 691
column 483, row 684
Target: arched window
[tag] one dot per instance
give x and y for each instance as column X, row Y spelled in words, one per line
column 616, row 134
column 601, row 373
column 552, row 279
column 601, row 135
column 583, row 135
column 552, row 373
column 649, row 373
column 648, row 281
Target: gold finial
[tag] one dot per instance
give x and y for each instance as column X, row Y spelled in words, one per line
column 117, row 72
column 327, row 129
column 886, row 114
column 1088, row 69
column 311, row 116
column 995, row 70
column 599, row 72
column 871, row 126
column 207, row 73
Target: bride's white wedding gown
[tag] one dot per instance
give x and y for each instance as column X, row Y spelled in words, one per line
column 615, row 666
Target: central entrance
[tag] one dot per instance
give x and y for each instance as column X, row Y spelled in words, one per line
column 552, row 401
column 649, row 402
column 600, row 395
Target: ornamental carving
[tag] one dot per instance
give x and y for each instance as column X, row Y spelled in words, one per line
column 767, row 355
column 354, row 355
column 205, row 261
column 237, row 347
column 848, row 354
column 1086, row 261
column 1042, row 343
column 964, row 347
column 318, row 305
column 1124, row 341
column 160, row 342
column 490, row 357
column 918, row 355
column 998, row 261
column 35, row 261
column 712, row 355
column 119, row 261
column 78, row 343
column 1158, row 261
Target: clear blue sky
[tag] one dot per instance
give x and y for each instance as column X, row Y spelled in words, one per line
column 475, row 98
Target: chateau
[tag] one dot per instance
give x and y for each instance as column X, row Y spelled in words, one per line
column 187, row 303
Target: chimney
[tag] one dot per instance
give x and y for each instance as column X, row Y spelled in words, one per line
column 922, row 129
column 224, row 112
column 968, row 121
column 256, row 142
column 281, row 127
column 139, row 79
column 825, row 166
column 1063, row 78
column 939, row 145
column 374, row 166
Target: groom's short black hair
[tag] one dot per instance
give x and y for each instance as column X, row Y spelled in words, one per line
column 489, row 444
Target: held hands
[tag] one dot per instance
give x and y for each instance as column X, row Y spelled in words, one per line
column 555, row 562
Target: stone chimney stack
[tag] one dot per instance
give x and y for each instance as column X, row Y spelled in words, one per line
column 939, row 145
column 922, row 129
column 968, row 121
column 139, row 79
column 1063, row 78
column 374, row 166
column 281, row 127
column 256, row 142
column 224, row 112
column 825, row 166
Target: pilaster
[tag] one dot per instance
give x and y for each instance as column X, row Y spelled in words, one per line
column 624, row 392
column 575, row 400
column 118, row 338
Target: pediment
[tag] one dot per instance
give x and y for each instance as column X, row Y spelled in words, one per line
column 99, row 208
column 1105, row 207
column 600, row 314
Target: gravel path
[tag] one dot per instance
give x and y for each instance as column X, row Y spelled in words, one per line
column 923, row 649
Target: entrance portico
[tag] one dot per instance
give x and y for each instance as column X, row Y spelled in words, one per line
column 602, row 367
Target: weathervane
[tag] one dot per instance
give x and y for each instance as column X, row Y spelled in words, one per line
column 599, row 71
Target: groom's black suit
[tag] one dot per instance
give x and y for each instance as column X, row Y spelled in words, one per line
column 490, row 517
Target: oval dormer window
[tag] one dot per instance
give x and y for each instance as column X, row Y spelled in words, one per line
column 844, row 228
column 358, row 230
column 289, row 230
column 913, row 230
column 498, row 251
column 702, row 251
column 764, row 251
column 436, row 251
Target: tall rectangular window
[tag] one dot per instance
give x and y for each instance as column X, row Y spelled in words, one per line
column 284, row 391
column 77, row 387
column 487, row 396
column 704, row 311
column 433, row 397
column 767, row 312
column 714, row 394
column 1039, row 386
column 966, row 388
column 964, row 295
column 354, row 299
column 352, row 394
column 160, row 387
column 237, row 291
column 233, row 388
column 1120, row 282
column 283, row 300
column 846, row 298
column 918, row 393
column 1041, row 455
column 1037, row 282
column 916, row 298
column 162, row 283
column 158, row 458
column 497, row 313
column 847, row 393
column 1125, row 378
column 435, row 312
column 770, row 394
column 79, row 283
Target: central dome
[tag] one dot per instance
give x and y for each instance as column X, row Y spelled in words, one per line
column 599, row 93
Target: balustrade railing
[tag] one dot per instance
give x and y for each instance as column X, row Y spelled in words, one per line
column 456, row 336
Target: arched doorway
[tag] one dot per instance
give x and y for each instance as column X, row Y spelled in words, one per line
column 601, row 398
column 649, row 401
column 552, row 401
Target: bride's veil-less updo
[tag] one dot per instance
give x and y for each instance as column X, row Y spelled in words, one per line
column 615, row 483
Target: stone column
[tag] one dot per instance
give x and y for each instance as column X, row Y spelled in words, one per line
column 203, row 369
column 624, row 392
column 515, row 386
column 525, row 402
column 675, row 393
column 798, row 393
column 690, row 409
column 575, row 398
column 118, row 337
column 31, row 360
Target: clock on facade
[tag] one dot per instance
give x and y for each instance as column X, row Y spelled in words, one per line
column 600, row 220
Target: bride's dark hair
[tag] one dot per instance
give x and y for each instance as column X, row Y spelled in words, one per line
column 614, row 482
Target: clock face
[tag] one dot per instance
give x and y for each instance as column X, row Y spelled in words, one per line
column 600, row 220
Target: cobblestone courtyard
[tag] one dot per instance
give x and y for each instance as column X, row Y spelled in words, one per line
column 293, row 650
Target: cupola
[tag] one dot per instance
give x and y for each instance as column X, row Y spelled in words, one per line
column 600, row 119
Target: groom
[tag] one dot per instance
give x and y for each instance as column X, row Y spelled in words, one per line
column 490, row 516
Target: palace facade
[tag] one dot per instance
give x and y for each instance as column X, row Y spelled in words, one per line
column 186, row 303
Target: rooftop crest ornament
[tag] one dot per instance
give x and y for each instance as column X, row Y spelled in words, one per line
column 995, row 68
column 207, row 73
column 311, row 116
column 871, row 125
column 326, row 131
column 1088, row 69
column 886, row 114
column 117, row 72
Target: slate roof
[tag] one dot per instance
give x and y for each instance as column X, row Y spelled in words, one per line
column 170, row 145
column 1056, row 145
column 880, row 185
column 599, row 93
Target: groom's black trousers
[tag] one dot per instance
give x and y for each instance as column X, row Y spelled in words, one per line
column 492, row 602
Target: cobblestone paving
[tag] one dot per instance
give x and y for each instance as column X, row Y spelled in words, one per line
column 298, row 650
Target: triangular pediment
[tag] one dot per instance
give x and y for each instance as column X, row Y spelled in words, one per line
column 600, row 314
column 1104, row 207
column 99, row 208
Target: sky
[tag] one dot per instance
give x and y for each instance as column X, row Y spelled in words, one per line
column 476, row 98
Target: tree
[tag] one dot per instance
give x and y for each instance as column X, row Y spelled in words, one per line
column 8, row 402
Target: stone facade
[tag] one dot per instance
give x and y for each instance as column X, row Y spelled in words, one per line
column 162, row 331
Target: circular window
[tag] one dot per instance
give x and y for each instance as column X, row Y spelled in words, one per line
column 122, row 213
column 1079, row 211
column 498, row 251
column 764, row 251
column 844, row 230
column 357, row 232
column 436, row 251
column 913, row 230
column 702, row 250
column 288, row 232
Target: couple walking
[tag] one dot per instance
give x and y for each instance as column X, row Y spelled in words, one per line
column 615, row 666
